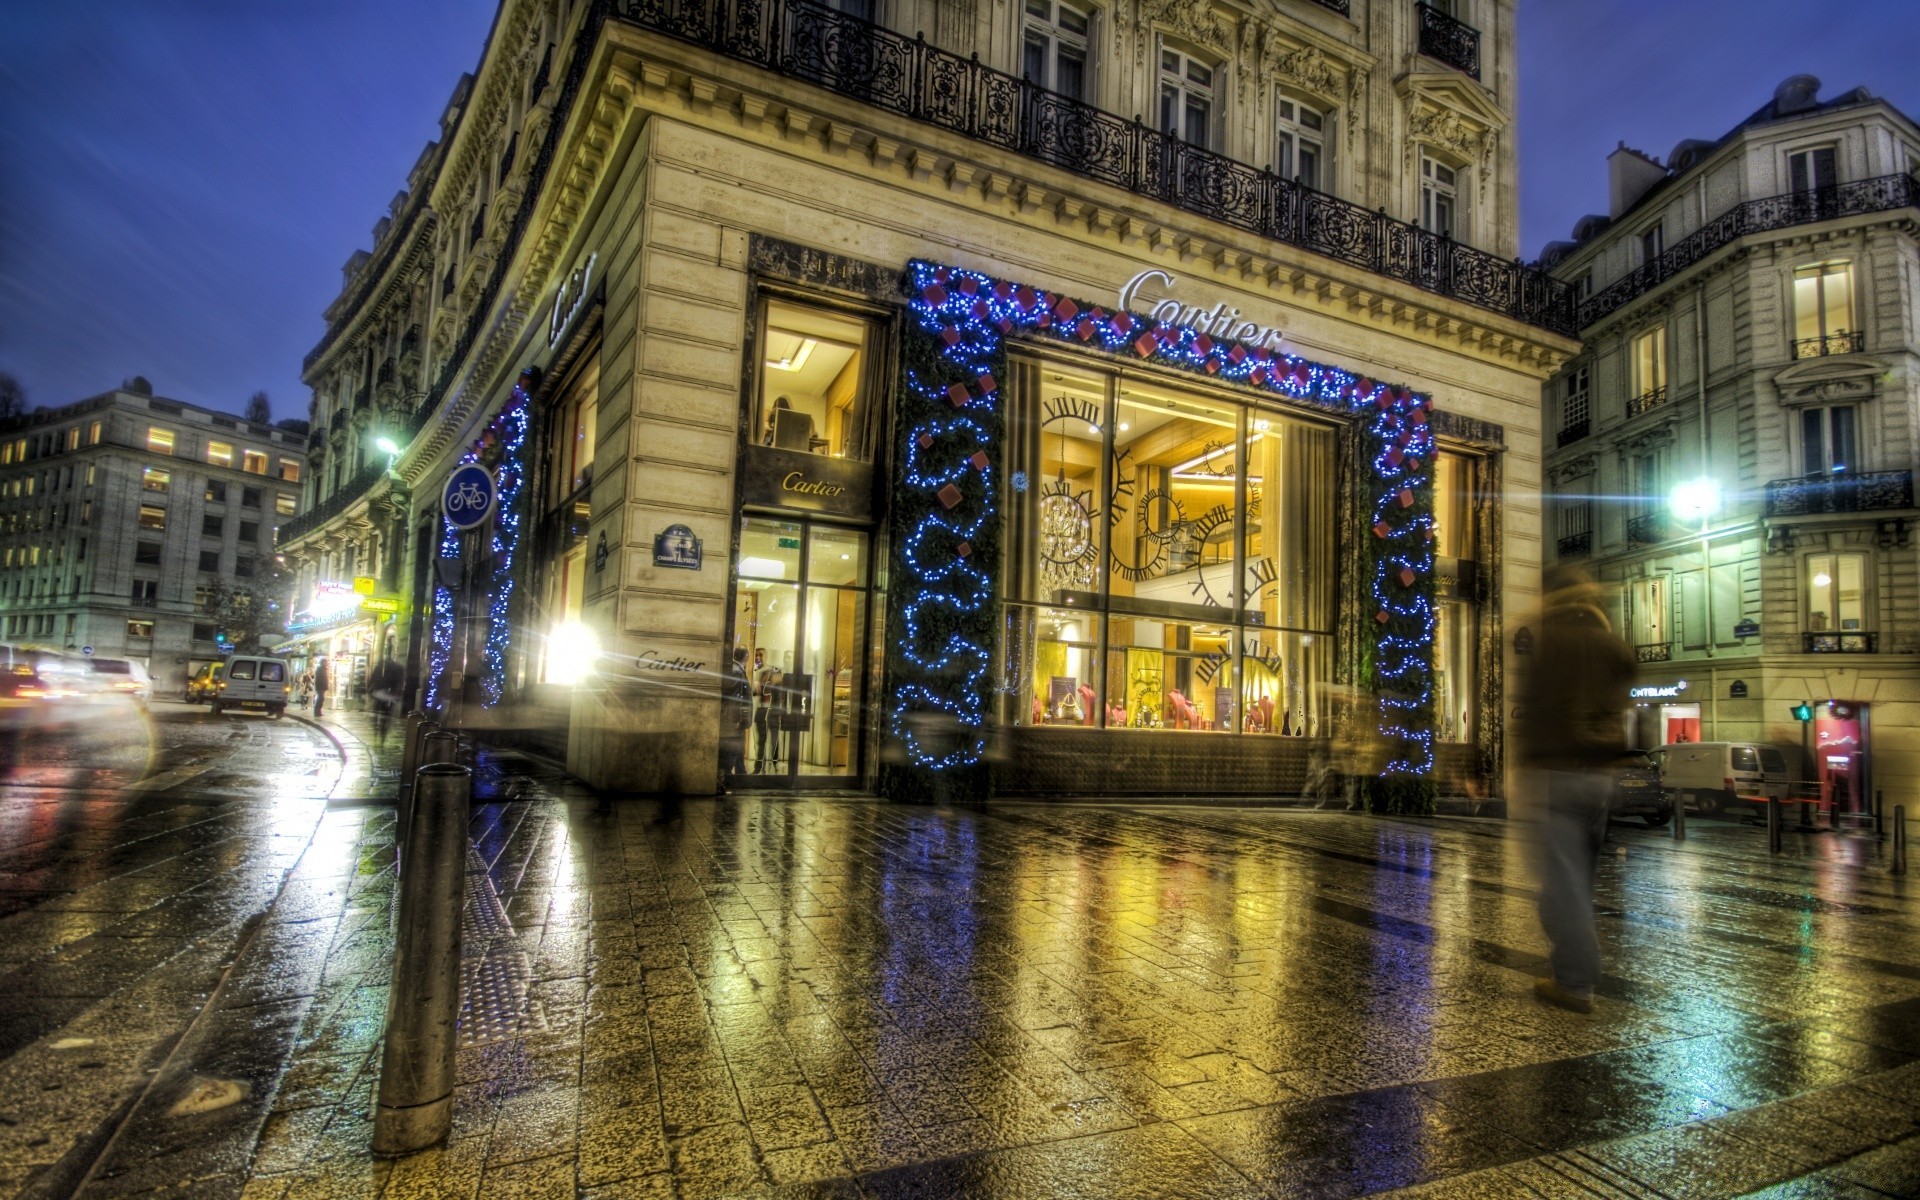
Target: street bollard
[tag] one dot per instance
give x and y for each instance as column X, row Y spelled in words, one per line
column 1773, row 826
column 1899, row 839
column 1680, row 817
column 423, row 1001
column 417, row 727
column 1879, row 807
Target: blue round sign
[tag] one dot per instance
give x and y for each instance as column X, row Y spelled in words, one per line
column 469, row 496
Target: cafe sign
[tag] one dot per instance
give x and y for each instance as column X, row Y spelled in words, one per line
column 1220, row 321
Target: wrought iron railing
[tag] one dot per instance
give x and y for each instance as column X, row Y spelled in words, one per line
column 1839, row 643
column 1343, row 7
column 1812, row 495
column 1653, row 651
column 1881, row 194
column 1647, row 401
column 1648, row 529
column 1574, row 544
column 905, row 75
column 1449, row 39
column 1574, row 431
column 332, row 506
column 1844, row 342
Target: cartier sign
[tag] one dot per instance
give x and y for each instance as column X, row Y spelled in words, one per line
column 1220, row 321
column 568, row 300
column 816, row 483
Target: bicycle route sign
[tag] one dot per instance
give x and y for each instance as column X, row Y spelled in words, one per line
column 469, row 496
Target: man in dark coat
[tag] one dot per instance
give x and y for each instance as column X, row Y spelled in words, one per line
column 1572, row 733
column 322, row 681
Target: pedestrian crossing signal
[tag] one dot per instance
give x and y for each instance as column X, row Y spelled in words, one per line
column 1803, row 711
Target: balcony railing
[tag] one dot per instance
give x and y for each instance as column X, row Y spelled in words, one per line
column 1882, row 194
column 1343, row 7
column 1574, row 432
column 1844, row 342
column 1812, row 495
column 332, row 506
column 1576, row 544
column 1449, row 39
column 1653, row 651
column 1647, row 401
column 905, row 75
column 1648, row 529
column 1839, row 643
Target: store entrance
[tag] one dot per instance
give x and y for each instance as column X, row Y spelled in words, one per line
column 1840, row 754
column 802, row 602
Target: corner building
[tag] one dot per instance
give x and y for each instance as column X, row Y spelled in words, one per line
column 995, row 425
column 1749, row 308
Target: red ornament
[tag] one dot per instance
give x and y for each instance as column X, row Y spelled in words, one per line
column 943, row 274
column 979, row 460
column 950, row 336
column 1393, row 456
column 985, row 383
column 1238, row 354
column 1084, row 330
column 1122, row 323
column 934, row 295
column 1066, row 310
column 980, row 311
column 1145, row 345
column 963, row 549
column 1203, row 344
column 1381, row 529
column 957, row 395
column 1259, row 375
column 1025, row 297
column 1418, row 416
column 1381, row 616
column 1002, row 289
column 1406, row 498
column 1407, row 577
column 949, row 496
column 969, row 284
column 925, row 440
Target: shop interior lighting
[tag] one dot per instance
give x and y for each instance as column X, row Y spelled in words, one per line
column 572, row 650
column 796, row 360
column 770, row 568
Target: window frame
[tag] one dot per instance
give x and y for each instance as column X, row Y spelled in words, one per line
column 1436, row 193
column 1292, row 135
column 1649, row 370
column 161, row 440
column 1826, row 416
column 1185, row 89
column 1819, row 274
column 1836, row 621
column 1055, row 37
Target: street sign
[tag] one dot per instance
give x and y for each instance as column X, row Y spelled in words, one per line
column 469, row 496
column 1737, row 690
column 364, row 584
column 1747, row 629
column 382, row 605
column 87, row 650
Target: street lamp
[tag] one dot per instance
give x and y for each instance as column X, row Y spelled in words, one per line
column 1695, row 500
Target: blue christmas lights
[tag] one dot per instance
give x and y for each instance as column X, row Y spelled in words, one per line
column 969, row 314
column 509, row 428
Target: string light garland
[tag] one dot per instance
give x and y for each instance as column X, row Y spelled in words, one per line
column 967, row 315
column 508, row 432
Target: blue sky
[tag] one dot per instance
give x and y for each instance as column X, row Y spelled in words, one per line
column 180, row 180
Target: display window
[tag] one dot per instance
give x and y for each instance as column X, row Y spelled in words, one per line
column 1169, row 553
column 1456, row 633
column 817, row 379
column 570, row 427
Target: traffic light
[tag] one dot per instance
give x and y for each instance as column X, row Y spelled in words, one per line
column 1803, row 711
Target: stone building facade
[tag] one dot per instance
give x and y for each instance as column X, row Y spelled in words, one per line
column 683, row 273
column 1751, row 312
column 119, row 512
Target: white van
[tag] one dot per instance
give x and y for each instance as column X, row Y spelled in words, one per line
column 253, row 681
column 1720, row 775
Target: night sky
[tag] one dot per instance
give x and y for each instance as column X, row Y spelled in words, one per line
column 181, row 181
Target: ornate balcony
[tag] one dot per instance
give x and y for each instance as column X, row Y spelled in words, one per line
column 1653, row 651
column 1574, row 432
column 1648, row 529
column 1449, row 39
column 1839, row 643
column 1844, row 342
column 1647, row 401
column 1882, row 194
column 1575, row 544
column 1343, row 7
column 1813, row 495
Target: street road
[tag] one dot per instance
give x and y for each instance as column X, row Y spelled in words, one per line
column 135, row 848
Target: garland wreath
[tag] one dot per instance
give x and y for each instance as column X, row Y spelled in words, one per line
column 946, row 526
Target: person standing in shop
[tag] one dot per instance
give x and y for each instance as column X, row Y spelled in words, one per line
column 736, row 705
column 1573, row 731
column 765, row 681
column 322, row 680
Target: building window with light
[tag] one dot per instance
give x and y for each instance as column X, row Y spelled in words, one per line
column 1056, row 47
column 1442, row 198
column 819, row 380
column 1836, row 593
column 253, row 462
column 1823, row 321
column 1647, row 600
column 1457, row 508
column 1186, row 97
column 153, row 479
column 220, row 454
column 160, row 441
column 1649, row 370
column 1302, row 150
column 569, row 429
column 1170, row 558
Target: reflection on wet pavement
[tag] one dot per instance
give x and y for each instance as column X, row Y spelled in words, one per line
column 839, row 997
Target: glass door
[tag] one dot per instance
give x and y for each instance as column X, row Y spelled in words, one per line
column 801, row 614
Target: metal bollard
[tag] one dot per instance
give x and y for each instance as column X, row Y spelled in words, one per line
column 423, row 1002
column 417, row 727
column 1879, row 807
column 1899, row 839
column 1680, row 816
column 1773, row 826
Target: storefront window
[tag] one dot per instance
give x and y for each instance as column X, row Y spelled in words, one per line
column 1456, row 634
column 568, row 510
column 1169, row 557
column 815, row 378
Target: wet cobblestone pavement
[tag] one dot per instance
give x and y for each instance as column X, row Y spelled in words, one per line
column 829, row 996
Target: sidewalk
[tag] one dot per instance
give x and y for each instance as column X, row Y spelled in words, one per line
column 827, row 997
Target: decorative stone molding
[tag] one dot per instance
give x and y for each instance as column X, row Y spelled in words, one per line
column 1656, row 438
column 1194, row 21
column 1830, row 381
column 1580, row 466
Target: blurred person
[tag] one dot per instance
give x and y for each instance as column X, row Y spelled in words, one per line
column 303, row 689
column 1572, row 732
column 764, row 680
column 383, row 690
column 322, row 680
column 736, row 716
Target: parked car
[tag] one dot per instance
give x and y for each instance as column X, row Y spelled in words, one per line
column 1637, row 790
column 120, row 678
column 204, row 684
column 1718, row 776
column 253, row 681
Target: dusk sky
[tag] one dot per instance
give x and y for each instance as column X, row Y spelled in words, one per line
column 181, row 182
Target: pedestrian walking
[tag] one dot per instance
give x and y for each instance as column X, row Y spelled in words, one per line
column 322, row 680
column 736, row 717
column 1574, row 702
column 303, row 690
column 383, row 689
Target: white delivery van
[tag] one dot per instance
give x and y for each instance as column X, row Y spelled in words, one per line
column 251, row 681
column 1717, row 776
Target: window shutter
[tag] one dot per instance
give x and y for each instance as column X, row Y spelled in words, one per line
column 1693, row 611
